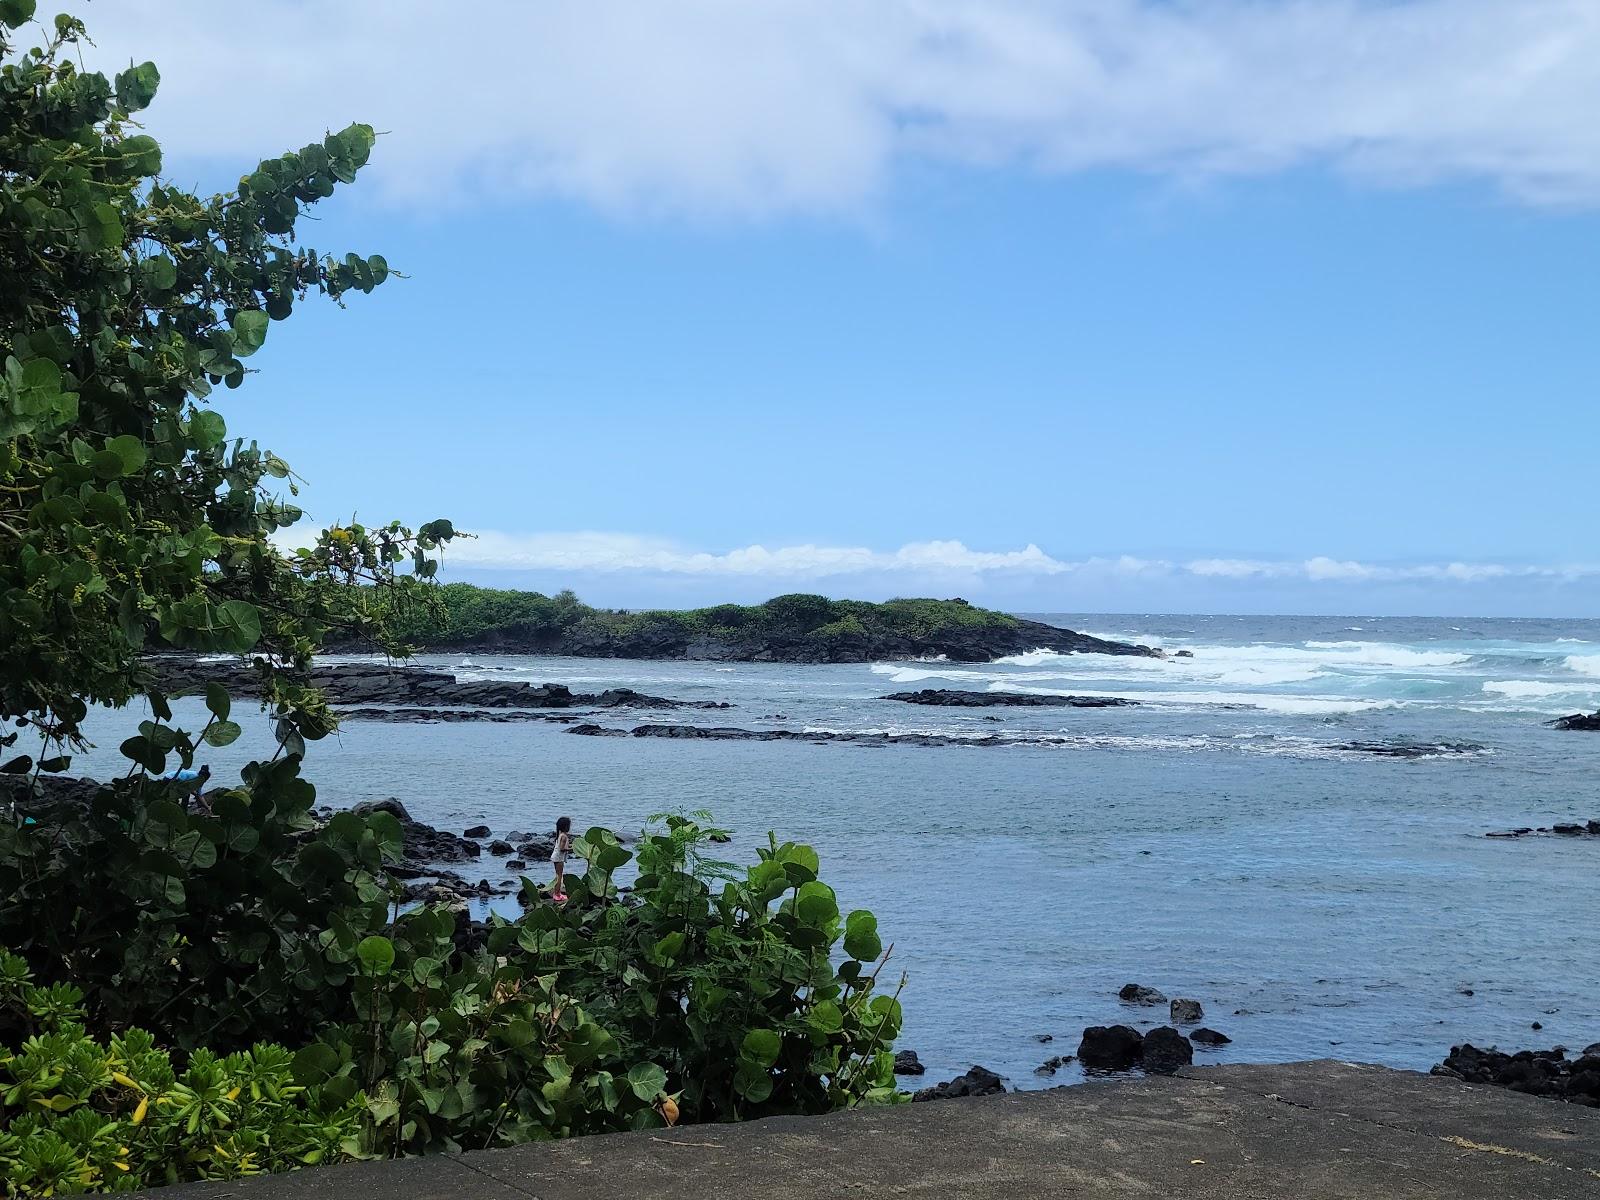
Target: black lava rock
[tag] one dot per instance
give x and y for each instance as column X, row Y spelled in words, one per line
column 906, row 1062
column 477, row 831
column 1165, row 1050
column 1133, row 993
column 1546, row 1073
column 1209, row 1037
column 1110, row 1048
column 1186, row 1012
column 501, row 848
column 978, row 1081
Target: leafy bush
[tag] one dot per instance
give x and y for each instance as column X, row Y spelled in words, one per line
column 693, row 999
column 77, row 1115
column 465, row 1049
column 126, row 510
column 204, row 923
column 724, row 976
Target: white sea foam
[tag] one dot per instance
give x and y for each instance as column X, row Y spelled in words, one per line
column 1529, row 689
column 1033, row 658
column 1583, row 664
column 1386, row 654
column 1580, row 641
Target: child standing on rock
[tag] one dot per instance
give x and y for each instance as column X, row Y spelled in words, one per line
column 558, row 857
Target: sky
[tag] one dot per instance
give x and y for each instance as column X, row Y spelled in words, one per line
column 1058, row 305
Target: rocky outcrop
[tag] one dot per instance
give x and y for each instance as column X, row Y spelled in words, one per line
column 978, row 1081
column 410, row 688
column 1546, row 1073
column 1571, row 829
column 717, row 733
column 1209, row 1037
column 978, row 642
column 1406, row 749
column 947, row 698
column 1589, row 722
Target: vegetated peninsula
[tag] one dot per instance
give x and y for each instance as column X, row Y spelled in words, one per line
column 793, row 628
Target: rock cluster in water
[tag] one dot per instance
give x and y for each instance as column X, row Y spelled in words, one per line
column 948, row 698
column 412, row 688
column 820, row 737
column 1562, row 829
column 978, row 1081
column 1589, row 722
column 1548, row 1073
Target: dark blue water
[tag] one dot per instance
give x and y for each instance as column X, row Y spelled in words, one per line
column 1219, row 841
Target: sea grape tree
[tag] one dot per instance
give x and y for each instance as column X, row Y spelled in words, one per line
column 128, row 510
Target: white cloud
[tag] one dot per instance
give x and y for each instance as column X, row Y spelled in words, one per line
column 621, row 553
column 756, row 107
column 615, row 552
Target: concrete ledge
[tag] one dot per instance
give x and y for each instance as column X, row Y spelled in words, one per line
column 1312, row 1131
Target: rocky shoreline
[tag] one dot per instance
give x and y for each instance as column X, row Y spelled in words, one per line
column 1548, row 1073
column 714, row 733
column 417, row 689
column 950, row 698
column 957, row 643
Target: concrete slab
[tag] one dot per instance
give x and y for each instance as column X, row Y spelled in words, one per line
column 1439, row 1107
column 1308, row 1131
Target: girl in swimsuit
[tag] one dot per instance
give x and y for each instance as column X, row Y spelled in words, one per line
column 558, row 856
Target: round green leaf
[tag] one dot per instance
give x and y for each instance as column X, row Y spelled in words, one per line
column 207, row 428
column 814, row 904
column 647, row 1081
column 249, row 331
column 761, row 1047
column 376, row 954
column 239, row 625
column 752, row 1082
column 130, row 450
column 225, row 733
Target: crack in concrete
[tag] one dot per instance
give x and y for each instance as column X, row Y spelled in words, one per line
column 500, row 1179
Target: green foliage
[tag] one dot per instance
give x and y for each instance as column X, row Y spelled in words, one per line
column 460, row 1050
column 126, row 509
column 710, row 994
column 79, row 1115
column 206, row 922
column 129, row 515
column 469, row 615
column 724, row 977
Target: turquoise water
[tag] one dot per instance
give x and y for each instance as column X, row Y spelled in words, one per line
column 1219, row 841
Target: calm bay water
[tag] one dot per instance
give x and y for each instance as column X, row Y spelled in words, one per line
column 1220, row 841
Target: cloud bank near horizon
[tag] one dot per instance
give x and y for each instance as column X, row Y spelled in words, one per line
column 596, row 553
column 760, row 108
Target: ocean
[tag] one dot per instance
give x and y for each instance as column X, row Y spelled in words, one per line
column 1288, row 828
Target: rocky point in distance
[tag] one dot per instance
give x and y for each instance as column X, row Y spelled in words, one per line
column 794, row 628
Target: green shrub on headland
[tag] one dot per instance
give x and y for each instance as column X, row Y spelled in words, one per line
column 468, row 615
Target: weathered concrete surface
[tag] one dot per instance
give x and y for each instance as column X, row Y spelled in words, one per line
column 1306, row 1131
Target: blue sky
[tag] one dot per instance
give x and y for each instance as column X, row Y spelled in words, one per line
column 1044, row 335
